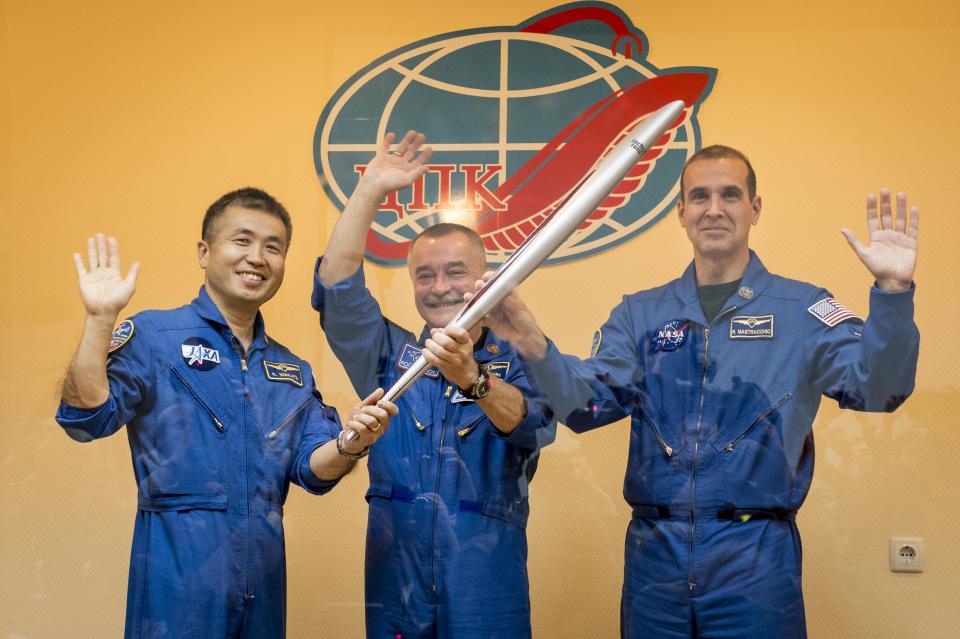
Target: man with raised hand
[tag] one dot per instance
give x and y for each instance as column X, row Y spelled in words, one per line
column 448, row 497
column 220, row 420
column 722, row 373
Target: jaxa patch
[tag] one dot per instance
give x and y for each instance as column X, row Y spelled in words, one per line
column 410, row 355
column 200, row 354
column 831, row 312
column 121, row 335
column 595, row 347
column 751, row 327
column 283, row 372
column 670, row 336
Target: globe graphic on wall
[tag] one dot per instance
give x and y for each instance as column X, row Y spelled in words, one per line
column 490, row 98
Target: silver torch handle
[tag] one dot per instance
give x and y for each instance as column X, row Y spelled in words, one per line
column 555, row 230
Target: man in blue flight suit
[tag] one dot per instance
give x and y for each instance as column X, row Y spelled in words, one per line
column 722, row 372
column 220, row 419
column 448, row 498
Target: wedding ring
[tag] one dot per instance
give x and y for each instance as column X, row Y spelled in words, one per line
column 396, row 153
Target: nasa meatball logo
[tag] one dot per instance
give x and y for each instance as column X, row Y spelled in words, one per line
column 670, row 336
column 516, row 115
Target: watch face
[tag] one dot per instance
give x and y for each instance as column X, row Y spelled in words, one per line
column 482, row 386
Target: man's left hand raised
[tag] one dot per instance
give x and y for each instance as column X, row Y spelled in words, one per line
column 891, row 255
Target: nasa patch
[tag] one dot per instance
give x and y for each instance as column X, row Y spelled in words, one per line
column 410, row 355
column 121, row 335
column 200, row 354
column 670, row 336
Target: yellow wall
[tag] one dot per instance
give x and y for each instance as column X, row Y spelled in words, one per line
column 131, row 117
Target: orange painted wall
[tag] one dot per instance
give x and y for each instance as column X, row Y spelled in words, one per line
column 131, row 117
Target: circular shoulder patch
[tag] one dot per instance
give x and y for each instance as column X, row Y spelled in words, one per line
column 121, row 335
column 597, row 337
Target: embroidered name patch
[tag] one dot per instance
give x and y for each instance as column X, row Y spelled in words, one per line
column 831, row 312
column 200, row 354
column 411, row 354
column 121, row 335
column 283, row 372
column 670, row 336
column 751, row 327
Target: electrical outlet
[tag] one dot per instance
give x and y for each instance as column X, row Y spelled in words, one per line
column 906, row 554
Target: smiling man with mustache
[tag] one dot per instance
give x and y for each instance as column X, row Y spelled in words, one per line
column 722, row 372
column 449, row 484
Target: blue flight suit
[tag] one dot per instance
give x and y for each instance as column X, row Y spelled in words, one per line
column 721, row 444
column 216, row 438
column 448, row 498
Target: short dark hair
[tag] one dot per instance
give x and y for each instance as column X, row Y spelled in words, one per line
column 248, row 198
column 446, row 228
column 717, row 152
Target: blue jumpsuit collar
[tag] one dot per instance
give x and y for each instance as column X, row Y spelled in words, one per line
column 755, row 280
column 205, row 307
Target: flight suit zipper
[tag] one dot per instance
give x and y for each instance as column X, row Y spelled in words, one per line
column 289, row 418
column 245, row 501
column 437, row 497
column 656, row 431
column 732, row 444
column 691, row 584
column 196, row 398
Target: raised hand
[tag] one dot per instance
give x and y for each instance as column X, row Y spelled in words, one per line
column 891, row 255
column 393, row 169
column 103, row 290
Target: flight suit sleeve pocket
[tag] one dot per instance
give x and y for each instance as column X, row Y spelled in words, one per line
column 168, row 503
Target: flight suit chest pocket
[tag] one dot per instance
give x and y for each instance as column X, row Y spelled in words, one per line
column 467, row 419
column 215, row 415
column 760, row 422
column 280, row 426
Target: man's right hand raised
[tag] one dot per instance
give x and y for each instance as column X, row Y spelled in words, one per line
column 397, row 168
column 388, row 171
column 104, row 293
column 103, row 290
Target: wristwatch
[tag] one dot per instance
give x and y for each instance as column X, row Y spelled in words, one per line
column 480, row 388
column 346, row 453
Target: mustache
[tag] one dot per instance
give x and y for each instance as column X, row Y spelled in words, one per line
column 433, row 301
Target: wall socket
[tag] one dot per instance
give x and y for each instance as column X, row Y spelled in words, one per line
column 906, row 554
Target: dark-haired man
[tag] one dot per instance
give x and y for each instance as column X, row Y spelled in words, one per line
column 220, row 419
column 722, row 372
column 448, row 497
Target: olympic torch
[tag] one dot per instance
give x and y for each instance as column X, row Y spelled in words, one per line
column 555, row 230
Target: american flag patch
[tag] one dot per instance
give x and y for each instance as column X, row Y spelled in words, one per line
column 831, row 312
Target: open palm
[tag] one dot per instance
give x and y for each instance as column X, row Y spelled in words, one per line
column 891, row 255
column 395, row 169
column 103, row 290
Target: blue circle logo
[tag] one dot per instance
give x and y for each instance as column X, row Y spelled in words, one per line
column 516, row 116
